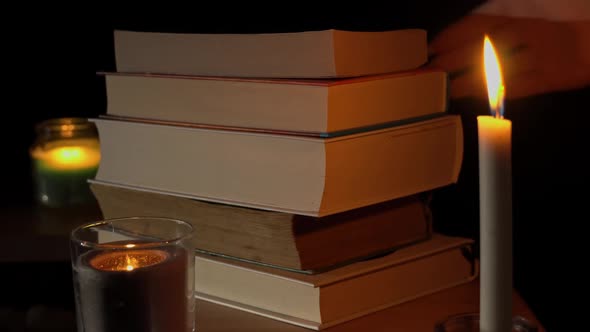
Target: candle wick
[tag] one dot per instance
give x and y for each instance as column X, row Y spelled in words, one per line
column 498, row 114
column 498, row 109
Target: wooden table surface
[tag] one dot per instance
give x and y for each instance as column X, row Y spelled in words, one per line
column 37, row 290
column 41, row 234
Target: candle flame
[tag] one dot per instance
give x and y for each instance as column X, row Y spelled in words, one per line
column 494, row 81
column 130, row 264
column 70, row 157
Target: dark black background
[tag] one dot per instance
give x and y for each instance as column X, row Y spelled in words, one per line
column 50, row 62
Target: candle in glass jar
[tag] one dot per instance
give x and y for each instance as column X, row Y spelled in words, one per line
column 133, row 290
column 495, row 183
column 66, row 153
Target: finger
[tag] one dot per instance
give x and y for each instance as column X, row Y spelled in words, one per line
column 469, row 29
column 507, row 40
column 469, row 56
column 519, row 63
column 521, row 79
column 459, row 59
column 469, row 85
column 510, row 38
column 519, row 68
column 538, row 82
column 526, row 84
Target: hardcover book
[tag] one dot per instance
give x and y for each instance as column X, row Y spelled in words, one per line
column 337, row 296
column 315, row 107
column 323, row 53
column 285, row 173
column 283, row 240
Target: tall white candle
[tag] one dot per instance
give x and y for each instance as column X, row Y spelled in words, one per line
column 495, row 189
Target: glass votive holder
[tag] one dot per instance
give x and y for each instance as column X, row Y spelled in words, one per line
column 134, row 274
column 64, row 155
column 469, row 322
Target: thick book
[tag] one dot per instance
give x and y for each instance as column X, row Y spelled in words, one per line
column 311, row 54
column 337, row 296
column 320, row 107
column 283, row 240
column 285, row 173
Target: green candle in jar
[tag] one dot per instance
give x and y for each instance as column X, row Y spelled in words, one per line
column 65, row 156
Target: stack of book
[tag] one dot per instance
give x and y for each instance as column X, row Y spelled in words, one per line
column 304, row 161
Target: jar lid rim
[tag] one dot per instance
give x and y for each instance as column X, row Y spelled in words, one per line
column 57, row 124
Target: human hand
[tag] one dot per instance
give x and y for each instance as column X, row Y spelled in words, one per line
column 537, row 56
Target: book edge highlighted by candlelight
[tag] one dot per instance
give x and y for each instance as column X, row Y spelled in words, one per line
column 293, row 174
column 322, row 53
column 281, row 240
column 319, row 301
